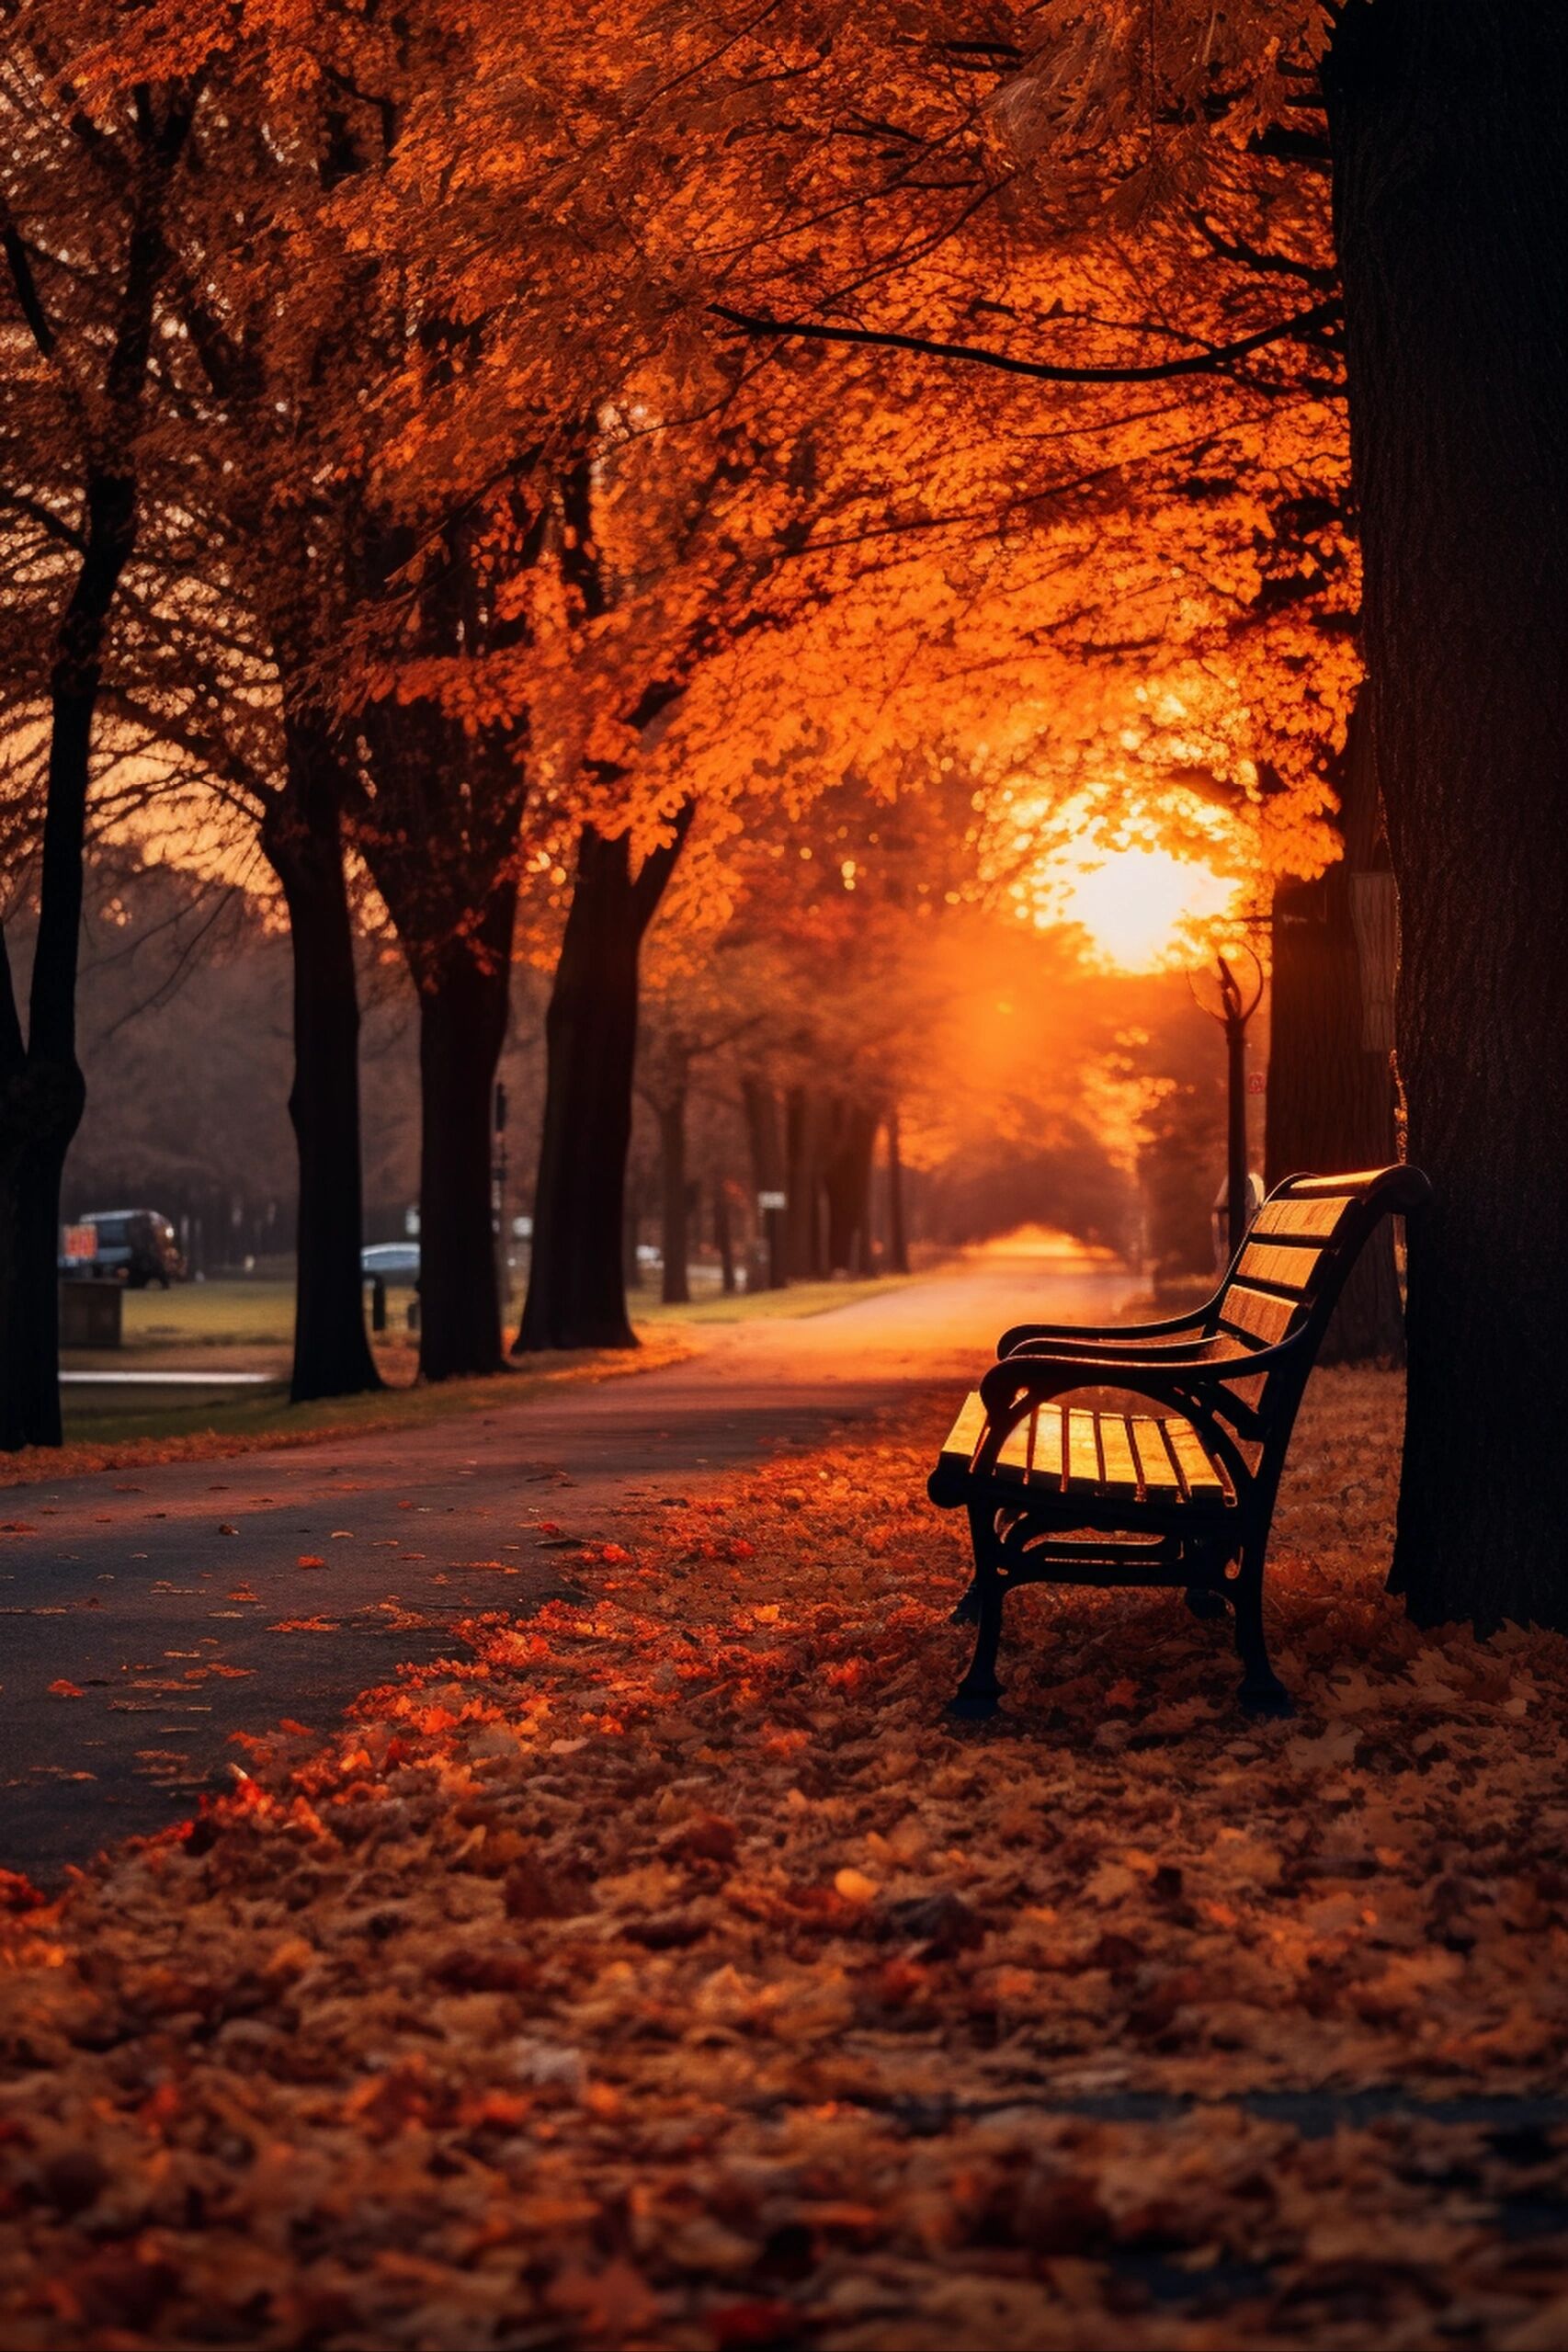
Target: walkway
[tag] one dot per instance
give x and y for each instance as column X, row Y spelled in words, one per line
column 196, row 1600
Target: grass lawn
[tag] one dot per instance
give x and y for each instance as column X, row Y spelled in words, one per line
column 120, row 1438
column 259, row 1313
column 226, row 1313
column 743, row 1306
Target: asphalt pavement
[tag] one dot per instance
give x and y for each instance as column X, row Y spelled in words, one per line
column 151, row 1614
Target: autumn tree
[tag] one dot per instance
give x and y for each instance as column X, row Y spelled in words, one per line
column 84, row 198
column 1448, row 171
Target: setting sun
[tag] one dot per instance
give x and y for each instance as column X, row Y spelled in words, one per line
column 1132, row 902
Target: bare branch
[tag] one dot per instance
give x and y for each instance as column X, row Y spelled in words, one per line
column 1213, row 360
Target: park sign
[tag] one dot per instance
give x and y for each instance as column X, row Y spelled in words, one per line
column 80, row 1242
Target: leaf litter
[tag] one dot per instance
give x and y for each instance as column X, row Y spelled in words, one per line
column 664, row 1971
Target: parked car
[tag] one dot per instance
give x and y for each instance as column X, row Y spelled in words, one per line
column 131, row 1246
column 391, row 1262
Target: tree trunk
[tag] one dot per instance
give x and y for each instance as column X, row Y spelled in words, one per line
column 674, row 1200
column 46, row 1094
column 576, row 1280
column 802, row 1160
column 463, row 1024
column 723, row 1237
column 1450, row 191
column 765, row 1138
column 898, row 1236
column 1331, row 1099
column 303, row 838
column 631, row 1230
column 847, row 1174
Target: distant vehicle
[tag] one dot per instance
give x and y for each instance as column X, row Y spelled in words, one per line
column 391, row 1262
column 131, row 1246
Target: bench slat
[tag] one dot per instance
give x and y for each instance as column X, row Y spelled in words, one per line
column 963, row 1438
column 1076, row 1449
column 1354, row 1181
column 1287, row 1268
column 1256, row 1314
column 1316, row 1219
column 1116, row 1451
column 1201, row 1478
column 1159, row 1474
column 1083, row 1453
column 1045, row 1465
column 1013, row 1461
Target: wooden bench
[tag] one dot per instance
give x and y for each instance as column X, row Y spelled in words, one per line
column 1174, row 1482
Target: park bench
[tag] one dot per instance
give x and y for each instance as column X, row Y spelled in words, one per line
column 1062, row 1487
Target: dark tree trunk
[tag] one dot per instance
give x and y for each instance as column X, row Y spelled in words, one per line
column 675, row 1238
column 302, row 834
column 848, row 1183
column 44, row 1092
column 769, row 1173
column 631, row 1230
column 898, row 1236
column 1450, row 192
column 42, row 1089
column 802, row 1160
column 1330, row 1088
column 723, row 1237
column 463, row 1024
column 576, row 1280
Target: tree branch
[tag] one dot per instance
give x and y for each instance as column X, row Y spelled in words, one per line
column 1251, row 258
column 45, row 518
column 659, row 866
column 27, row 296
column 1213, row 361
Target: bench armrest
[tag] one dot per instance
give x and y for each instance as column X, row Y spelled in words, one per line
column 1022, row 1335
column 1194, row 1386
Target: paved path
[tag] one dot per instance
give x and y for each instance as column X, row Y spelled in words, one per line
column 179, row 1600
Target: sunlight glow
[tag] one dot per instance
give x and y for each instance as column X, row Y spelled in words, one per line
column 1135, row 903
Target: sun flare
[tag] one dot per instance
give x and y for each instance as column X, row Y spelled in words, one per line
column 1134, row 902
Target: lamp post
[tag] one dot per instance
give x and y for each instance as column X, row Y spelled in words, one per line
column 1233, row 1009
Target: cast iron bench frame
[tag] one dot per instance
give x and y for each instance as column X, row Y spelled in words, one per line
column 1208, row 1533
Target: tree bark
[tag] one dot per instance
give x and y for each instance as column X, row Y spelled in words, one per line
column 302, row 834
column 577, row 1295
column 898, row 1236
column 46, row 1094
column 848, row 1183
column 723, row 1236
column 802, row 1160
column 769, row 1173
column 1450, row 190
column 43, row 1091
column 1332, row 1101
column 463, row 1024
column 675, row 1237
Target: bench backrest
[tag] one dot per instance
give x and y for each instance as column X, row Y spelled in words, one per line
column 1283, row 1282
column 1298, row 1253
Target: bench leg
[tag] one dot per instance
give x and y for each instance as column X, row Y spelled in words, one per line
column 1261, row 1691
column 977, row 1695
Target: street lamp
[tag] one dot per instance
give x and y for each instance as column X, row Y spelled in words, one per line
column 1232, row 1007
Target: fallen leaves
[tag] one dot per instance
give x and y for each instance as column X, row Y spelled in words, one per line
column 61, row 1689
column 662, row 1971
